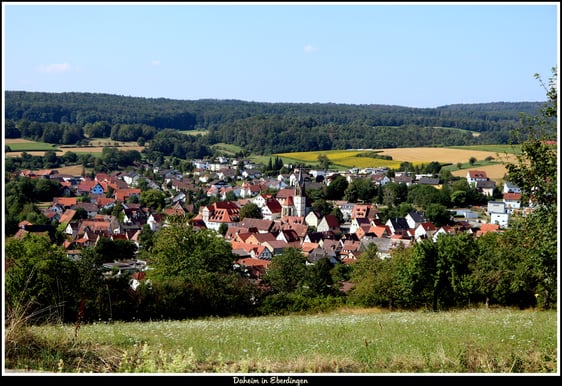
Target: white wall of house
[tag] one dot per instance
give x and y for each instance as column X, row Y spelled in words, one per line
column 496, row 207
column 502, row 219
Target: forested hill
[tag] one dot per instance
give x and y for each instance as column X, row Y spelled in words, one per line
column 264, row 128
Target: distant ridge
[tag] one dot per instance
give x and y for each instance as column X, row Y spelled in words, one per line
column 266, row 128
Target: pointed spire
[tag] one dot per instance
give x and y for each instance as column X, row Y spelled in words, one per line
column 299, row 186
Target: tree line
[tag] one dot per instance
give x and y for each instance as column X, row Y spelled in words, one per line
column 256, row 127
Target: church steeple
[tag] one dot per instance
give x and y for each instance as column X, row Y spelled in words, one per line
column 299, row 185
column 300, row 196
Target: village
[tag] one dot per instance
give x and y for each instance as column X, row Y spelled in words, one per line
column 287, row 216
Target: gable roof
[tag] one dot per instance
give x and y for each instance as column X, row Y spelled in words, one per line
column 512, row 196
column 67, row 202
column 485, row 228
column 67, row 216
column 262, row 225
column 399, row 223
column 331, row 221
column 417, row 216
column 477, row 174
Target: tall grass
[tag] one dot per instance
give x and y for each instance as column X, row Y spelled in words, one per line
column 344, row 341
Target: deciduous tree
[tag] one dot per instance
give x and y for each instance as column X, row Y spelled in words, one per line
column 535, row 171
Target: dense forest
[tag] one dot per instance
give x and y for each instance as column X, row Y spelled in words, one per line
column 258, row 128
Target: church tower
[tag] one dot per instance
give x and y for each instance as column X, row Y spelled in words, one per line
column 299, row 199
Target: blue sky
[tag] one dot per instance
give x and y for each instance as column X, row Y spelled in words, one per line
column 403, row 54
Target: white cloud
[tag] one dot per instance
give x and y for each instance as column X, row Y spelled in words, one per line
column 54, row 68
column 308, row 49
column 155, row 62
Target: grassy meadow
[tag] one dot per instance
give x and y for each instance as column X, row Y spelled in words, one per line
column 20, row 145
column 356, row 341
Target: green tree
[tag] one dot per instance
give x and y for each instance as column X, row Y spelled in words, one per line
column 422, row 196
column 324, row 162
column 286, row 271
column 153, row 199
column 115, row 250
column 223, row 228
column 146, row 239
column 318, row 279
column 40, row 279
column 46, row 189
column 456, row 255
column 93, row 293
column 185, row 252
column 535, row 171
column 80, row 214
column 361, row 189
column 322, row 207
column 230, row 196
column 438, row 214
column 440, row 272
column 337, row 187
column 250, row 210
column 193, row 275
column 364, row 277
column 495, row 272
column 394, row 193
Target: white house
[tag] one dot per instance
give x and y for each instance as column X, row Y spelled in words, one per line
column 474, row 176
column 496, row 207
column 512, row 201
column 502, row 219
column 508, row 187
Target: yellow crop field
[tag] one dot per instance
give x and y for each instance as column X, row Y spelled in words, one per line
column 417, row 156
column 494, row 172
column 440, row 154
column 347, row 158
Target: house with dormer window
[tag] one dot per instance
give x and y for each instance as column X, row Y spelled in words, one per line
column 474, row 176
column 222, row 212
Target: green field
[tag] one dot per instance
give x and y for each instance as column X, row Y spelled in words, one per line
column 32, row 146
column 345, row 341
column 227, row 148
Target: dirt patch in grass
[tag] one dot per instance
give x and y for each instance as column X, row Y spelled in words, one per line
column 75, row 170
